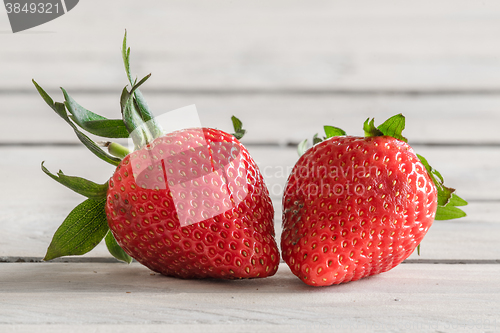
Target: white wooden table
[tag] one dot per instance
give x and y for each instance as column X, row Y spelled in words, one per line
column 285, row 68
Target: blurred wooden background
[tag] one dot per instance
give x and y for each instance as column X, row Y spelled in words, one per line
column 285, row 68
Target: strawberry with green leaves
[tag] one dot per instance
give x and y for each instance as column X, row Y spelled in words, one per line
column 359, row 206
column 189, row 204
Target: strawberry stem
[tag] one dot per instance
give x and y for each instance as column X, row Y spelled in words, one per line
column 116, row 149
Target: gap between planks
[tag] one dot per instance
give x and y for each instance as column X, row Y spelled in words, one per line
column 289, row 144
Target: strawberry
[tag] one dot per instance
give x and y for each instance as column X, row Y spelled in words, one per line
column 189, row 204
column 359, row 206
column 212, row 217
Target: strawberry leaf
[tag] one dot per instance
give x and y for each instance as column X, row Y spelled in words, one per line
column 107, row 128
column 444, row 193
column 60, row 109
column 143, row 108
column 135, row 124
column 332, row 131
column 394, row 127
column 81, row 115
column 138, row 84
column 316, row 139
column 115, row 249
column 447, row 199
column 81, row 231
column 457, row 201
column 44, row 95
column 239, row 132
column 94, row 148
column 80, row 185
column 132, row 120
column 91, row 145
column 126, row 59
column 302, row 147
column 370, row 129
column 92, row 122
column 138, row 132
column 140, row 103
column 449, row 212
column 436, row 173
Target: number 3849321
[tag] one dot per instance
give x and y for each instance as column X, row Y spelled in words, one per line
column 32, row 8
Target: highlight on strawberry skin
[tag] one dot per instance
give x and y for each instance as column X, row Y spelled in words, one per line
column 359, row 206
column 191, row 203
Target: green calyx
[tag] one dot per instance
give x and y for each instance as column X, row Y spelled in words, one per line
column 139, row 129
column 84, row 228
column 330, row 132
column 448, row 201
column 393, row 126
column 115, row 249
column 60, row 109
column 239, row 132
column 139, row 102
column 81, row 231
column 94, row 123
column 86, row 225
column 81, row 186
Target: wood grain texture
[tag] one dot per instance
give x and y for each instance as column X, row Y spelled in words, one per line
column 286, row 68
column 409, row 295
column 471, row 170
column 352, row 45
column 272, row 119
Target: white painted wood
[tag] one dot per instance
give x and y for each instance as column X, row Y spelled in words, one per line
column 272, row 118
column 279, row 48
column 473, row 171
column 225, row 44
column 423, row 297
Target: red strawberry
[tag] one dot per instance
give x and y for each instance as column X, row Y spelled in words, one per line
column 358, row 206
column 187, row 207
column 190, row 204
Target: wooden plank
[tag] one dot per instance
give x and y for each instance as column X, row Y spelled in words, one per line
column 463, row 168
column 277, row 119
column 333, row 45
column 438, row 297
column 35, row 205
